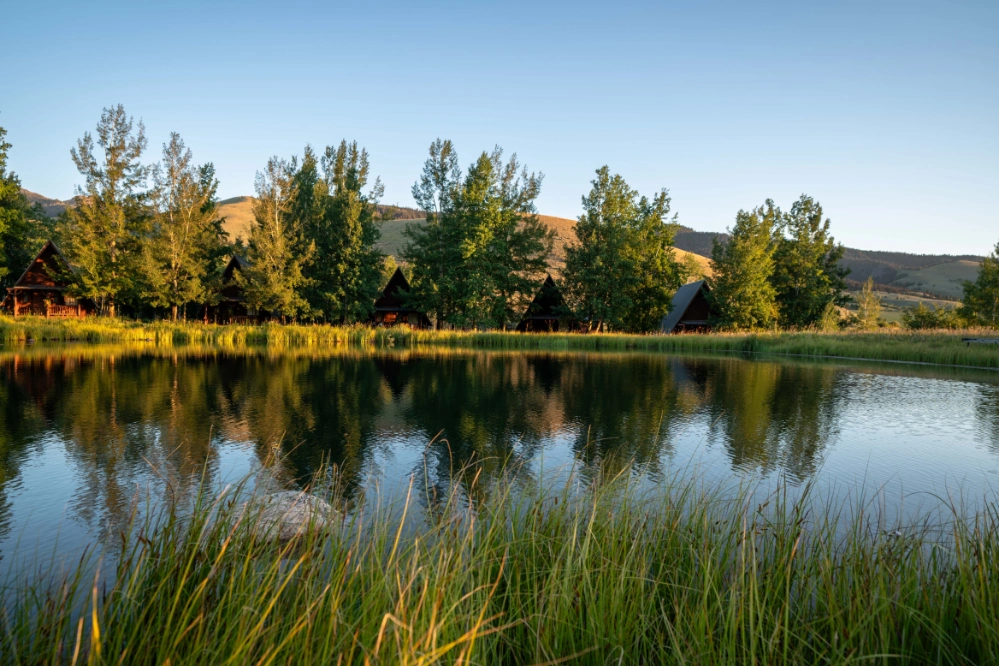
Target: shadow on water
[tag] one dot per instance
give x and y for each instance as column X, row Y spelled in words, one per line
column 107, row 422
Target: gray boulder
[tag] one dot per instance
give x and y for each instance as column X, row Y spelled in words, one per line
column 286, row 515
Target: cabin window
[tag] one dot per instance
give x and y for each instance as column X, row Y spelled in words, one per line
column 69, row 300
column 390, row 317
column 251, row 311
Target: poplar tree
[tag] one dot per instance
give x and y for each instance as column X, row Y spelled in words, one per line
column 622, row 271
column 505, row 246
column 106, row 229
column 807, row 277
column 434, row 249
column 868, row 307
column 187, row 242
column 277, row 248
column 15, row 224
column 742, row 294
column 980, row 304
column 345, row 273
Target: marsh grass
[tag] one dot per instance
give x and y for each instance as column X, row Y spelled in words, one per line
column 937, row 347
column 593, row 573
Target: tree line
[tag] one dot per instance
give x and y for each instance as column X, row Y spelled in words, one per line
column 148, row 240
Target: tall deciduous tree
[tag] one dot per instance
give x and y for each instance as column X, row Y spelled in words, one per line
column 505, row 248
column 622, row 270
column 345, row 273
column 980, row 305
column 868, row 307
column 807, row 276
column 743, row 296
column 278, row 248
column 107, row 228
column 434, row 249
column 16, row 248
column 182, row 254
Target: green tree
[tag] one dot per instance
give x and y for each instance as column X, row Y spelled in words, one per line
column 980, row 305
column 106, row 229
column 807, row 277
column 622, row 270
column 868, row 307
column 345, row 273
column 922, row 317
column 659, row 274
column 277, row 249
column 18, row 242
column 505, row 246
column 434, row 249
column 743, row 295
column 187, row 242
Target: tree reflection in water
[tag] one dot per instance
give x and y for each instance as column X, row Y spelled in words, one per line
column 158, row 419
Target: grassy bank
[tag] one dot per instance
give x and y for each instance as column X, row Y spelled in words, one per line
column 943, row 347
column 528, row 577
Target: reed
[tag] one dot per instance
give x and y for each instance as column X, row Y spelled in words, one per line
column 938, row 347
column 589, row 574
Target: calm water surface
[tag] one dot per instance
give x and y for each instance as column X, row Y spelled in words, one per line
column 84, row 431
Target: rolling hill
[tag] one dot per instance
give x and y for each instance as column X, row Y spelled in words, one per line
column 919, row 275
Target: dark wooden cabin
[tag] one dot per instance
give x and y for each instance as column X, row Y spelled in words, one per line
column 391, row 308
column 691, row 309
column 232, row 307
column 41, row 289
column 542, row 315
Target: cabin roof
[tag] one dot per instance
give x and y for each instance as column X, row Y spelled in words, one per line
column 682, row 300
column 31, row 264
column 391, row 299
column 545, row 301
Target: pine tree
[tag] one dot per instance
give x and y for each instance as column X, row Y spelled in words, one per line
column 742, row 294
column 106, row 230
column 277, row 249
column 980, row 305
column 807, row 276
column 434, row 249
column 622, row 271
column 345, row 273
column 187, row 240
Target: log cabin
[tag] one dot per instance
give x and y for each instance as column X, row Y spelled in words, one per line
column 43, row 288
column 232, row 307
column 391, row 307
column 544, row 314
column 690, row 311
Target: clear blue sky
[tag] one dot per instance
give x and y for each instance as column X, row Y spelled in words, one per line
column 888, row 113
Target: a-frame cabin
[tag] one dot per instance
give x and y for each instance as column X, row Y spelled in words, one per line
column 543, row 314
column 691, row 310
column 391, row 308
column 232, row 307
column 41, row 289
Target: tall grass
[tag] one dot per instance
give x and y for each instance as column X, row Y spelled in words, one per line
column 591, row 575
column 939, row 347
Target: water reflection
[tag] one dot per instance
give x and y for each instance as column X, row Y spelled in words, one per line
column 114, row 421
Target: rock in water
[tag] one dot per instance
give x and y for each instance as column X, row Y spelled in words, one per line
column 288, row 514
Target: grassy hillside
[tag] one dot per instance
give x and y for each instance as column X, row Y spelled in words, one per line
column 944, row 279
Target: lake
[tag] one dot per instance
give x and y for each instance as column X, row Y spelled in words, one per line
column 87, row 430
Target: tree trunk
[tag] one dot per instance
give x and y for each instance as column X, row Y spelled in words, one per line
column 173, row 313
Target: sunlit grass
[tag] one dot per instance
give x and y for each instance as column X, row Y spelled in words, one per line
column 592, row 574
column 942, row 347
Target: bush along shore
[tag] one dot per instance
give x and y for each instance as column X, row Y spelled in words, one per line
column 588, row 574
column 938, row 347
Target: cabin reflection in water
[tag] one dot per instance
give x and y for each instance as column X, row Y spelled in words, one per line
column 42, row 288
column 391, row 307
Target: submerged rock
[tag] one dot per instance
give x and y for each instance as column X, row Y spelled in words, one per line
column 289, row 514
